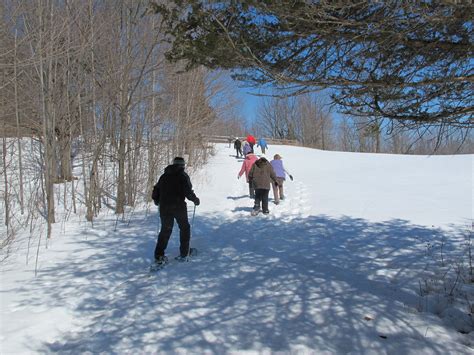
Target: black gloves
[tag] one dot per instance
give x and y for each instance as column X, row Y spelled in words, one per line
column 291, row 178
column 197, row 201
column 157, row 203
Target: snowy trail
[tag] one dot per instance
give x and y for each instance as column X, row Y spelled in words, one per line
column 301, row 279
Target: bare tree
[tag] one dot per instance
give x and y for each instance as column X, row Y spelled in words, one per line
column 18, row 132
column 88, row 79
column 346, row 135
column 45, row 70
column 277, row 117
column 187, row 108
column 316, row 122
column 6, row 191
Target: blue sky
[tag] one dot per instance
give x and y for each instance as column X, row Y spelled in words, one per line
column 249, row 103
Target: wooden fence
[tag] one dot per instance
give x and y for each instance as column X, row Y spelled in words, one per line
column 270, row 141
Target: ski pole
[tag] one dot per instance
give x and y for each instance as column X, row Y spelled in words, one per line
column 192, row 221
column 192, row 226
column 159, row 222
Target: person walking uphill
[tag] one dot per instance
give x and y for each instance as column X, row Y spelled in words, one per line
column 247, row 149
column 238, row 147
column 169, row 194
column 280, row 172
column 260, row 176
column 251, row 140
column 263, row 144
column 247, row 164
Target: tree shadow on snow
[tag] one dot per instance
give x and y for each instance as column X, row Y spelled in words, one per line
column 237, row 197
column 260, row 284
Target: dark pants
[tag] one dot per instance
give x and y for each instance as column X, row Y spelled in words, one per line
column 167, row 221
column 251, row 191
column 261, row 195
column 239, row 152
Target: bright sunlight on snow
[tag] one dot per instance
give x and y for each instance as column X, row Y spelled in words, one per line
column 368, row 254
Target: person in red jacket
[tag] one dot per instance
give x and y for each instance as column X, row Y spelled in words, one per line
column 252, row 141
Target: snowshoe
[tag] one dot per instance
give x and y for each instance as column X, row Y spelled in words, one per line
column 255, row 212
column 159, row 263
column 192, row 252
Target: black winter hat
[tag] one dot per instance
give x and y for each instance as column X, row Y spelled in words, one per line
column 179, row 161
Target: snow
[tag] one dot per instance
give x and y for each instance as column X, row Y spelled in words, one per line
column 359, row 258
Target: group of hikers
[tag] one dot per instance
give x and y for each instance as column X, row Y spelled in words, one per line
column 245, row 146
column 260, row 174
column 174, row 186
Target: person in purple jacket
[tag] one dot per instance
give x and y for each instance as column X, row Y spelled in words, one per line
column 247, row 148
column 280, row 172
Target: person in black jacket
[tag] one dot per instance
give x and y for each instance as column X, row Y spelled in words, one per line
column 238, row 147
column 169, row 194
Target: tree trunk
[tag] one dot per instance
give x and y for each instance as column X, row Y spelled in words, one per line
column 120, row 206
column 6, row 194
column 48, row 128
column 17, row 116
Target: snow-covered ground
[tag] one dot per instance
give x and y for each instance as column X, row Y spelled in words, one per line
column 363, row 257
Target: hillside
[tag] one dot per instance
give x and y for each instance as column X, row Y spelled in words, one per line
column 367, row 254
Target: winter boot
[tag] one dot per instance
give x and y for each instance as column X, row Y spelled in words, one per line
column 181, row 258
column 161, row 260
column 184, row 258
